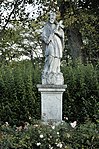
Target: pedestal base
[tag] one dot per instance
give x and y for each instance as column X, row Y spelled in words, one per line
column 51, row 102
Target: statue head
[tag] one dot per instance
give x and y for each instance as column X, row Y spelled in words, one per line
column 52, row 17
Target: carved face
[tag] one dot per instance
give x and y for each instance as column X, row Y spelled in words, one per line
column 52, row 17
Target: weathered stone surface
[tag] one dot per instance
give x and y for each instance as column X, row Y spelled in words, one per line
column 53, row 40
column 52, row 87
column 51, row 102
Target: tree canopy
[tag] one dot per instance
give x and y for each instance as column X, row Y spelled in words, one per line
column 81, row 27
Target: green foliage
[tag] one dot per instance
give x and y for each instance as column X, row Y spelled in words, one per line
column 20, row 40
column 40, row 136
column 82, row 94
column 81, row 17
column 9, row 45
column 80, row 21
column 19, row 97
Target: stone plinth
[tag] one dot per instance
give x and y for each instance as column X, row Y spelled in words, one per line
column 51, row 102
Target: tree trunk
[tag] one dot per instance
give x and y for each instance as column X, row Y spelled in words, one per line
column 75, row 43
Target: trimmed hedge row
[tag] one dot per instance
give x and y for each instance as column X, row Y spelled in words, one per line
column 81, row 100
column 20, row 99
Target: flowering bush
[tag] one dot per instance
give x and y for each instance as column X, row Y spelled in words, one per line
column 41, row 136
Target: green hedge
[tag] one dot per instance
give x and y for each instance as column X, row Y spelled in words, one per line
column 81, row 99
column 40, row 136
column 20, row 99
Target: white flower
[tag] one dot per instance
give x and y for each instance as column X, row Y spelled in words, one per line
column 48, row 139
column 41, row 136
column 30, row 118
column 50, row 136
column 26, row 125
column 56, row 141
column 55, row 2
column 59, row 145
column 35, row 125
column 66, row 118
column 57, row 133
column 73, row 124
column 19, row 128
column 6, row 123
column 38, row 144
column 53, row 127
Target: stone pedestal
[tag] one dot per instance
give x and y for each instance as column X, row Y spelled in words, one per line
column 51, row 102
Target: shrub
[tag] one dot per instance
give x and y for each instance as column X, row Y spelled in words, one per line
column 82, row 94
column 40, row 136
column 20, row 99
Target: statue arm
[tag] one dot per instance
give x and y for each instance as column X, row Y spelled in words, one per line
column 60, row 33
column 59, row 29
column 45, row 36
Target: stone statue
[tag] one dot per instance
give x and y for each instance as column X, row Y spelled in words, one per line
column 53, row 38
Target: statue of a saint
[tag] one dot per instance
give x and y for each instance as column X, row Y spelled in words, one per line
column 53, row 38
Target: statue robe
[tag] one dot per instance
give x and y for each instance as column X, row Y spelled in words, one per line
column 53, row 47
